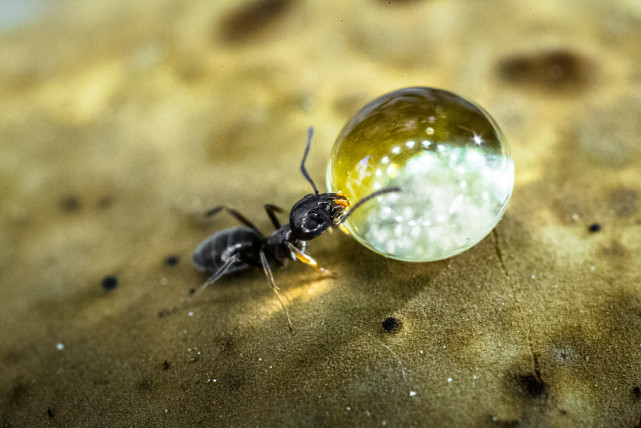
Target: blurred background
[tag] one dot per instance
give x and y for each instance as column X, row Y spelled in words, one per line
column 121, row 122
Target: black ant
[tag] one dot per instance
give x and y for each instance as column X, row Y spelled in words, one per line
column 235, row 249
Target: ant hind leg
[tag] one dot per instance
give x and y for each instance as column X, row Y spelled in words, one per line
column 238, row 216
column 271, row 210
column 218, row 274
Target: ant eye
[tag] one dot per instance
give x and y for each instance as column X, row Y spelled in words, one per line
column 446, row 154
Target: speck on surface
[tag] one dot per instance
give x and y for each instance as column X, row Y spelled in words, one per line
column 172, row 260
column 593, row 228
column 109, row 283
column 391, row 325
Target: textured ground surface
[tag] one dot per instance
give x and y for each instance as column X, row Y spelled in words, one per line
column 119, row 122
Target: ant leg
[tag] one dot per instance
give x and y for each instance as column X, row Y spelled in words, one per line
column 270, row 277
column 218, row 274
column 310, row 133
column 238, row 216
column 271, row 209
column 308, row 260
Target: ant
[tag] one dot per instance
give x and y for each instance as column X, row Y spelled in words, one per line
column 236, row 249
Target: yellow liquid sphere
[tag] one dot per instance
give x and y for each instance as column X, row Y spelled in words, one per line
column 446, row 154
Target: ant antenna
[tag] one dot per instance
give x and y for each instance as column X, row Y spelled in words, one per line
column 310, row 133
column 369, row 198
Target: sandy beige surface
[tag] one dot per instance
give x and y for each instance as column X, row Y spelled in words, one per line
column 120, row 122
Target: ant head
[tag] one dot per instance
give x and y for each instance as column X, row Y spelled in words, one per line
column 316, row 212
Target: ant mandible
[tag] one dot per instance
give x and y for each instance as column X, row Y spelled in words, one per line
column 236, row 249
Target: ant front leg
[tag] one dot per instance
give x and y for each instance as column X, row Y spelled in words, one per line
column 308, row 260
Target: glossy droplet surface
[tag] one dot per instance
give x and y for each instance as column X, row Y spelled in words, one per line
column 446, row 153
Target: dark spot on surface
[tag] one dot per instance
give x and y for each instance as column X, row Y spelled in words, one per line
column 100, row 381
column 227, row 343
column 595, row 227
column 236, row 379
column 144, row 385
column 624, row 202
column 18, row 391
column 193, row 359
column 167, row 311
column 172, row 260
column 104, row 202
column 165, row 365
column 550, row 69
column 637, row 391
column 109, row 282
column 614, row 248
column 192, row 290
column 391, row 325
column 249, row 19
column 13, row 356
column 531, row 385
column 70, row 204
column 563, row 412
column 50, row 412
